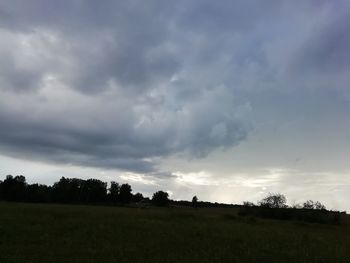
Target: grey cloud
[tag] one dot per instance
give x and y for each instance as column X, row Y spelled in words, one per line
column 326, row 51
column 119, row 136
column 12, row 75
column 17, row 79
column 103, row 42
column 124, row 84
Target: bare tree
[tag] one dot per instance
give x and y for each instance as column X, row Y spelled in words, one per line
column 274, row 200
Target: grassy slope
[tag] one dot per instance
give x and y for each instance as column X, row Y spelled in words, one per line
column 63, row 233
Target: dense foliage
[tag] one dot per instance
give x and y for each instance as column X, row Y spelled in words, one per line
column 160, row 198
column 66, row 190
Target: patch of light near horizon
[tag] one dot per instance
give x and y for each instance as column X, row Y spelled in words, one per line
column 270, row 176
column 139, row 178
column 195, row 178
column 298, row 186
column 46, row 173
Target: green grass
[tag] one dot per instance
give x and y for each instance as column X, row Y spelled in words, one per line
column 63, row 233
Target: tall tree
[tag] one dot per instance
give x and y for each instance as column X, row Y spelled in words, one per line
column 13, row 188
column 125, row 195
column 114, row 191
column 194, row 201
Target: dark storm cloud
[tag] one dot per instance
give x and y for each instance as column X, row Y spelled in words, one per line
column 117, row 141
column 113, row 40
column 123, row 84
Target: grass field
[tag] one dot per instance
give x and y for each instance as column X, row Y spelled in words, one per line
column 67, row 233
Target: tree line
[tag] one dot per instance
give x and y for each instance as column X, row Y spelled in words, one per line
column 74, row 191
column 94, row 191
column 90, row 191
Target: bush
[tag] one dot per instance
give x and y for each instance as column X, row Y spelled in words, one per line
column 306, row 215
column 309, row 204
column 248, row 204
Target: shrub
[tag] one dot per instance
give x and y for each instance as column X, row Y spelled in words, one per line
column 249, row 204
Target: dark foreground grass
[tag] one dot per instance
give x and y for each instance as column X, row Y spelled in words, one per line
column 63, row 233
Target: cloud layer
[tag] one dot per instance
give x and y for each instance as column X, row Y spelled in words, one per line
column 125, row 84
column 108, row 86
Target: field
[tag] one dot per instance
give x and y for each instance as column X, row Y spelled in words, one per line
column 68, row 233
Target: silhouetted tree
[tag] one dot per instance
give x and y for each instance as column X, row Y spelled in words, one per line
column 248, row 204
column 309, row 204
column 59, row 190
column 93, row 190
column 319, row 206
column 68, row 190
column 137, row 197
column 125, row 193
column 1, row 191
column 194, row 201
column 38, row 193
column 160, row 198
column 76, row 190
column 274, row 201
column 114, row 191
column 13, row 188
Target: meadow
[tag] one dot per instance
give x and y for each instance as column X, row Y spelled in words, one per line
column 73, row 233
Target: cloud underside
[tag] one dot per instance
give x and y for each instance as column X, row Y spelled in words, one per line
column 124, row 84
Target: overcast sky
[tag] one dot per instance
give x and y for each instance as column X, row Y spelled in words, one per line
column 226, row 100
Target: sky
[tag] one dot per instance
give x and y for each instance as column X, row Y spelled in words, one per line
column 226, row 100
